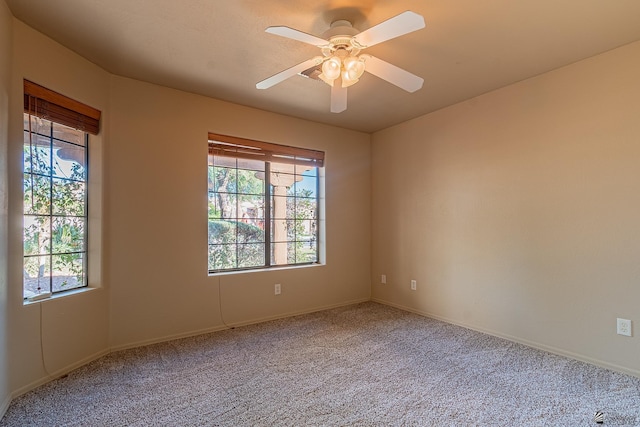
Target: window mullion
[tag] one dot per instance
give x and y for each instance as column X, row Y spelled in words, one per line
column 267, row 213
column 317, row 215
column 50, row 136
column 85, row 251
column 237, row 214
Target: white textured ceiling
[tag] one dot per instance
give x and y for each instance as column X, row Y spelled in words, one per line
column 218, row 48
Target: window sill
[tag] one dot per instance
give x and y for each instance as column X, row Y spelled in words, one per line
column 60, row 295
column 266, row 269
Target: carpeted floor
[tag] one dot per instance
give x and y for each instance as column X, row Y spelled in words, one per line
column 362, row 365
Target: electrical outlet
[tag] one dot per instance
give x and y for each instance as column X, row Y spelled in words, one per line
column 414, row 285
column 277, row 290
column 383, row 279
column 624, row 327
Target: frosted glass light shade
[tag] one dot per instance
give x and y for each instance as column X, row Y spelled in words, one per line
column 353, row 68
column 331, row 68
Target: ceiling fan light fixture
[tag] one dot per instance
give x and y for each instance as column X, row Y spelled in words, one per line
column 353, row 68
column 342, row 64
column 331, row 68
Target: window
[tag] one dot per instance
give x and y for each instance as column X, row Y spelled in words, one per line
column 55, row 159
column 263, row 204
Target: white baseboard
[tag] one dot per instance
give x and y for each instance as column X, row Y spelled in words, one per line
column 4, row 406
column 532, row 344
column 166, row 338
column 57, row 374
column 298, row 313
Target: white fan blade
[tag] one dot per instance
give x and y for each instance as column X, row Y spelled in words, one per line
column 338, row 97
column 297, row 35
column 289, row 72
column 389, row 72
column 397, row 26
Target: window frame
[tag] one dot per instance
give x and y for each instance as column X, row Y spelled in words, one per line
column 51, row 215
column 269, row 154
column 58, row 109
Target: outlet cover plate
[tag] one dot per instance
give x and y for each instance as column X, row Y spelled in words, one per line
column 414, row 285
column 623, row 327
column 277, row 290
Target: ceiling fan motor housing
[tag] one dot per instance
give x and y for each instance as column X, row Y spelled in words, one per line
column 340, row 35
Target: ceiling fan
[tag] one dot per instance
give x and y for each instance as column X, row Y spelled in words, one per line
column 342, row 64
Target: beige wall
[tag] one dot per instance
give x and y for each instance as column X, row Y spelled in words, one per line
column 157, row 226
column 517, row 212
column 6, row 22
column 70, row 330
column 148, row 241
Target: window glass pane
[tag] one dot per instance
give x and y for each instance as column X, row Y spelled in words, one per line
column 250, row 182
column 307, row 252
column 214, row 206
column 68, row 197
column 69, row 161
column 282, row 177
column 253, row 165
column 251, row 255
column 37, row 156
column 223, row 179
column 249, row 233
column 222, row 257
column 68, row 134
column 291, row 207
column 251, row 207
column 306, row 186
column 291, row 253
column 36, row 235
column 36, row 275
column 227, row 162
column 221, row 231
column 227, row 203
column 37, row 194
column 279, row 253
column 280, row 206
column 67, row 272
column 39, row 126
column 67, row 234
column 303, row 209
column 283, row 230
column 307, row 171
column 291, row 190
column 305, row 230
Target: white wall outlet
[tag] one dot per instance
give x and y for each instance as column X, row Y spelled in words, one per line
column 383, row 279
column 624, row 327
column 414, row 285
column 277, row 290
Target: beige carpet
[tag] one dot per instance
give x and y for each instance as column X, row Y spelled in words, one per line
column 362, row 365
